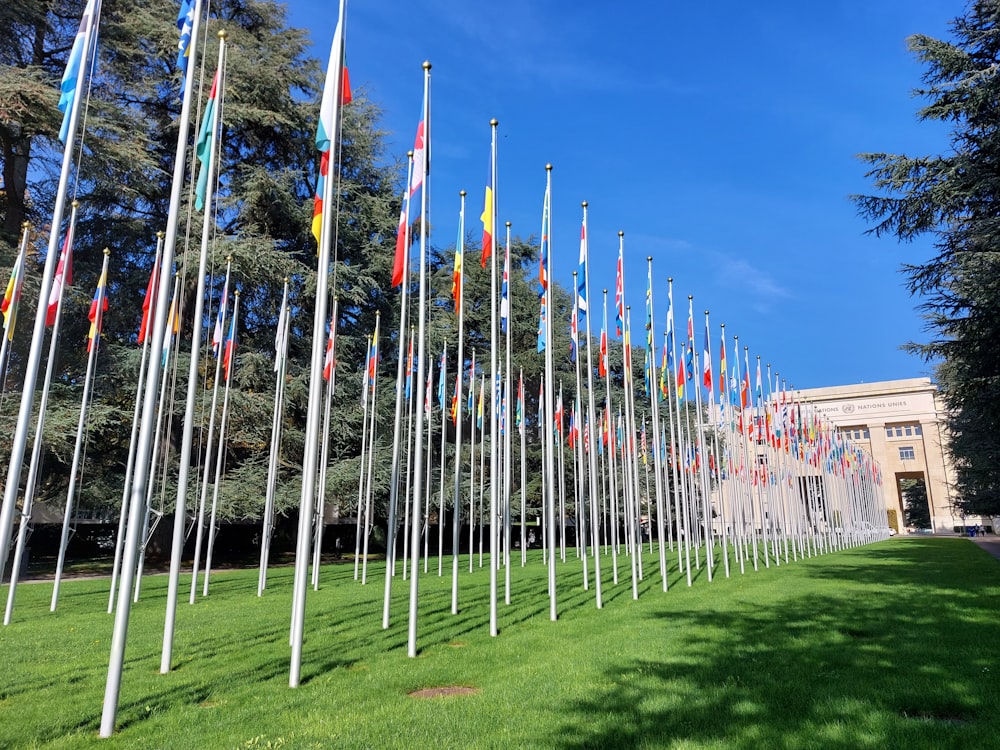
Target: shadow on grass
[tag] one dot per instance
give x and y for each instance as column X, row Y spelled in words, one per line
column 893, row 648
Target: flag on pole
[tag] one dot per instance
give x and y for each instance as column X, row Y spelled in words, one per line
column 185, row 25
column 147, row 302
column 602, row 362
column 409, row 369
column 488, row 214
column 173, row 326
column 456, row 274
column 574, row 333
column 373, row 360
column 328, row 360
column 421, row 160
column 279, row 336
column 204, row 143
column 559, row 413
column 12, row 295
column 706, row 361
column 571, row 436
column 454, row 397
column 98, row 307
column 541, row 326
column 619, row 296
column 505, row 289
column 519, row 409
column 758, row 392
column 689, row 347
column 472, row 382
column 543, row 247
column 479, row 406
column 581, row 274
column 229, row 355
column 62, row 278
column 74, row 65
column 722, row 369
column 220, row 318
column 326, row 130
column 442, row 364
column 402, row 246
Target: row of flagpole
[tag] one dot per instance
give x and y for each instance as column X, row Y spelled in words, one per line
column 794, row 501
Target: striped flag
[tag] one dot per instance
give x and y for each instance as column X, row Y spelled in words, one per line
column 220, row 319
column 706, row 361
column 581, row 275
column 489, row 212
column 12, row 295
column 328, row 360
column 229, row 356
column 75, row 64
column 147, row 302
column 326, row 131
column 202, row 150
column 62, row 278
column 98, row 307
column 619, row 295
column 185, row 25
column 456, row 274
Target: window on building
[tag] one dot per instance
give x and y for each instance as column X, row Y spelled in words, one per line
column 866, row 435
column 908, row 430
column 888, row 432
column 906, row 453
column 918, row 430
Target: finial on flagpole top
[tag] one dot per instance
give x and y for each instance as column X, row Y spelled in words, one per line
column 409, row 154
column 584, row 204
column 649, row 258
column 107, row 251
column 160, row 234
column 706, row 312
column 286, row 281
column 575, row 273
column 621, row 233
column 378, row 313
column 670, row 279
column 746, row 348
column 494, row 122
column 229, row 259
column 223, row 34
column 25, row 225
column 628, row 308
column 690, row 297
column 548, row 167
column 75, row 203
column 426, row 65
column 507, row 223
column 236, row 293
column 462, row 193
column 605, row 290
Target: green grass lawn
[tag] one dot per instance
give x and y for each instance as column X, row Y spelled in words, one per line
column 887, row 646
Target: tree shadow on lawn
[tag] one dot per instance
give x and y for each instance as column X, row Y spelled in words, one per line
column 893, row 658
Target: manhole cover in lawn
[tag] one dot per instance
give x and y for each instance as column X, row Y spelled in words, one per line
column 441, row 692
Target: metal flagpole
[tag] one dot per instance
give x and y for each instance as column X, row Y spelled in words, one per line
column 142, row 468
column 330, row 374
column 654, row 399
column 418, row 469
column 361, row 461
column 88, row 28
column 192, row 384
column 524, row 466
column 397, row 422
column 81, row 426
column 612, row 479
column 220, row 457
column 550, row 470
column 372, row 375
column 34, row 466
column 494, row 344
column 592, row 453
column 130, row 463
column 184, row 460
column 507, row 480
column 460, row 305
column 280, row 365
column 330, row 128
column 444, row 427
column 579, row 475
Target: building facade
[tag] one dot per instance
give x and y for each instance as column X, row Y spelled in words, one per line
column 899, row 423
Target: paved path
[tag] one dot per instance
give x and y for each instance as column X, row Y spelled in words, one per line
column 990, row 544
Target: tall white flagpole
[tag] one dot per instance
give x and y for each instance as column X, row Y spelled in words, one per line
column 507, row 422
column 591, row 455
column 34, row 466
column 330, row 361
column 397, row 423
column 184, row 459
column 373, row 385
column 142, row 472
column 189, row 425
column 456, row 501
column 444, row 427
column 81, row 426
column 550, row 469
column 654, row 399
column 130, row 463
column 220, row 457
column 330, row 127
column 88, row 26
column 418, row 381
column 280, row 365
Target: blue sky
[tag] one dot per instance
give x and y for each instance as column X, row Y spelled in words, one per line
column 720, row 137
